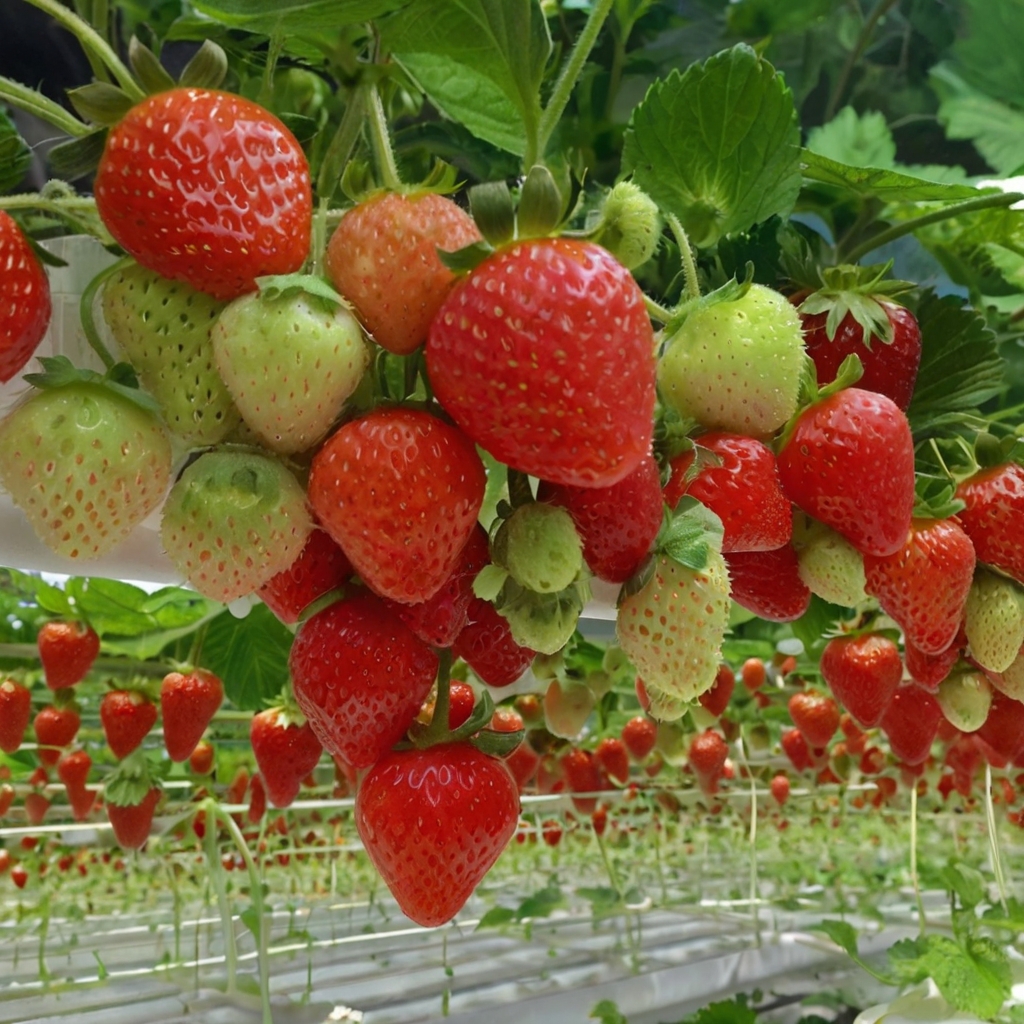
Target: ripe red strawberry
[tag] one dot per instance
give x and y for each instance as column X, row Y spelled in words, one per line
column 1003, row 731
column 188, row 701
column 36, row 806
column 383, row 258
column 928, row 670
column 780, row 789
column 286, row 751
column 849, row 462
column 617, row 524
column 257, row 799
column 360, row 677
column 613, row 757
column 768, row 583
column 743, row 491
column 523, row 763
column 206, row 187
column 910, row 723
column 815, row 715
column 202, row 757
column 753, row 674
column 25, row 305
column 801, row 756
column 15, row 711
column 707, row 755
column 433, row 822
column 994, row 516
column 131, row 822
column 233, row 520
column 924, row 583
column 126, row 717
column 320, row 567
column 487, row 646
column 67, row 651
column 716, row 700
column 461, row 701
column 73, row 770
column 639, row 735
column 19, row 875
column 544, row 355
column 399, row 490
column 582, row 775
column 55, row 727
column 440, row 619
column 863, row 673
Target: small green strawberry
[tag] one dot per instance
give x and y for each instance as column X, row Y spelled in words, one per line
column 542, row 622
column 630, row 225
column 163, row 329
column 829, row 564
column 672, row 624
column 994, row 620
column 1011, row 681
column 83, row 459
column 736, row 364
column 233, row 520
column 540, row 547
column 291, row 358
column 965, row 699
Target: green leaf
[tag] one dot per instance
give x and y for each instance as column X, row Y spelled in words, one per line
column 604, row 901
column 250, row 655
column 496, row 917
column 960, row 362
column 52, row 599
column 717, row 146
column 811, row 628
column 252, row 920
column 858, row 140
column 726, row 1011
column 489, row 581
column 283, row 286
column 110, row 605
column 607, row 1013
column 270, row 16
column 15, row 155
column 541, row 904
column 988, row 53
column 480, row 61
column 76, row 157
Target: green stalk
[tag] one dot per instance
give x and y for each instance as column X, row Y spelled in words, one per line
column 993, row 839
column 692, row 285
column 341, row 145
column 987, row 202
column 570, row 74
column 217, row 878
column 32, row 102
column 915, row 881
column 93, row 43
column 381, row 139
column 85, row 312
column 881, row 8
column 274, row 48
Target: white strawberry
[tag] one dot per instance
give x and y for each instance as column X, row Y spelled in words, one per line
column 994, row 620
column 965, row 699
column 829, row 564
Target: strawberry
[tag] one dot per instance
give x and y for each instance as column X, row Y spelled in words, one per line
column 360, row 677
column 233, row 520
column 1011, row 681
column 994, row 516
column 910, row 723
column 487, row 646
column 257, row 800
column 67, row 651
column 829, row 564
column 83, row 462
column 131, row 822
column 7, row 794
column 735, row 365
column 286, row 751
column 73, row 770
column 780, row 789
column 924, row 583
column 19, row 876
column 202, row 757
column 707, row 755
column 539, row 546
column 290, row 361
column 36, row 806
column 567, row 707
column 768, row 583
column 582, row 774
column 965, row 698
column 25, row 306
column 523, row 763
column 163, row 329
column 544, row 356
column 1003, row 730
column 188, row 701
column 801, row 756
column 15, row 711
column 383, row 258
column 753, row 674
column 612, row 756
column 815, row 715
column 617, row 524
column 433, row 822
column 639, row 735
column 127, row 717
column 863, row 673
column 208, row 188
column 55, row 727
column 849, row 462
column 928, row 670
column 320, row 567
column 399, row 490
column 716, row 700
column 461, row 702
column 994, row 621
column 742, row 489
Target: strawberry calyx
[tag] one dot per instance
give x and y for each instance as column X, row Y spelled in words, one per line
column 64, row 700
column 850, row 371
column 59, row 372
column 935, row 498
column 627, row 223
column 274, row 287
column 732, row 291
column 148, row 689
column 133, row 778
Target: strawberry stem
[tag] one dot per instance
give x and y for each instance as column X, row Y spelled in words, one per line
column 340, row 147
column 227, row 923
column 85, row 310
column 45, row 109
column 691, row 287
column 914, row 880
column 993, row 839
column 381, row 140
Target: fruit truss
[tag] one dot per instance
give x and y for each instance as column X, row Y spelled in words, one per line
column 425, row 425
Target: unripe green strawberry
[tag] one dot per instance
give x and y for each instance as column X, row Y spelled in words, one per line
column 1011, row 681
column 567, row 707
column 663, row 707
column 290, row 363
column 672, row 628
column 994, row 620
column 85, row 464
column 163, row 328
column 543, row 622
column 829, row 564
column 965, row 699
column 232, row 521
column 630, row 225
column 540, row 547
column 736, row 365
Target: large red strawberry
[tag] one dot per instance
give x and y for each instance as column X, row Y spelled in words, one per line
column 320, row 567
column 863, row 673
column 617, row 524
column 131, row 822
column 639, row 735
column 15, row 711
column 433, row 822
column 399, row 490
column 994, row 516
column 206, row 187
column 928, row 670
column 360, row 677
column 73, row 770
column 742, row 490
column 849, row 462
column 188, row 701
column 544, row 355
column 815, row 715
column 286, row 751
column 768, row 583
column 126, row 717
column 67, row 651
column 383, row 258
column 24, row 299
column 911, row 722
column 486, row 644
column 924, row 583
column 55, row 727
